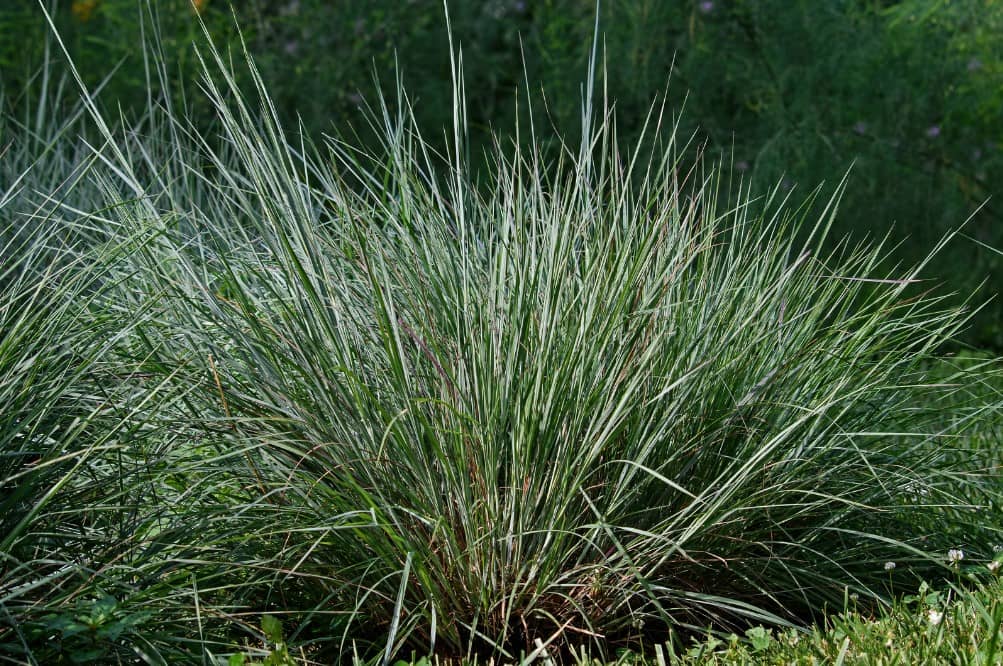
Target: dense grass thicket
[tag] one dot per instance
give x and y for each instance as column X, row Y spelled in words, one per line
column 595, row 397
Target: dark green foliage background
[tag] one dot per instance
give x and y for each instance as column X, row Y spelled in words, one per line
column 910, row 92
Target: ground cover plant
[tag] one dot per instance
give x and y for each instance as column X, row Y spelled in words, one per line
column 953, row 626
column 593, row 398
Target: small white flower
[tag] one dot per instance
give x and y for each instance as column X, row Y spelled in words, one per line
column 993, row 566
column 997, row 548
column 955, row 555
column 935, row 616
column 889, row 566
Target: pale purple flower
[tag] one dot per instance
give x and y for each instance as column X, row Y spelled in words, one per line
column 519, row 6
column 706, row 6
column 742, row 166
column 955, row 555
column 889, row 566
column 860, row 127
column 933, row 131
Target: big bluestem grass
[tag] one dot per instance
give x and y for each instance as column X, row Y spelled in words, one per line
column 585, row 399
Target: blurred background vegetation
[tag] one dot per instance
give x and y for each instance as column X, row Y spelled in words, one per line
column 909, row 92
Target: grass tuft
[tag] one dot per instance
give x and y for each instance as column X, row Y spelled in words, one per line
column 595, row 400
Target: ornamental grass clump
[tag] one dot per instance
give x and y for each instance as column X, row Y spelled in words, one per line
column 93, row 567
column 62, row 462
column 584, row 398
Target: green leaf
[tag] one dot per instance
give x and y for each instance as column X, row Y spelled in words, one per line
column 759, row 637
column 272, row 628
